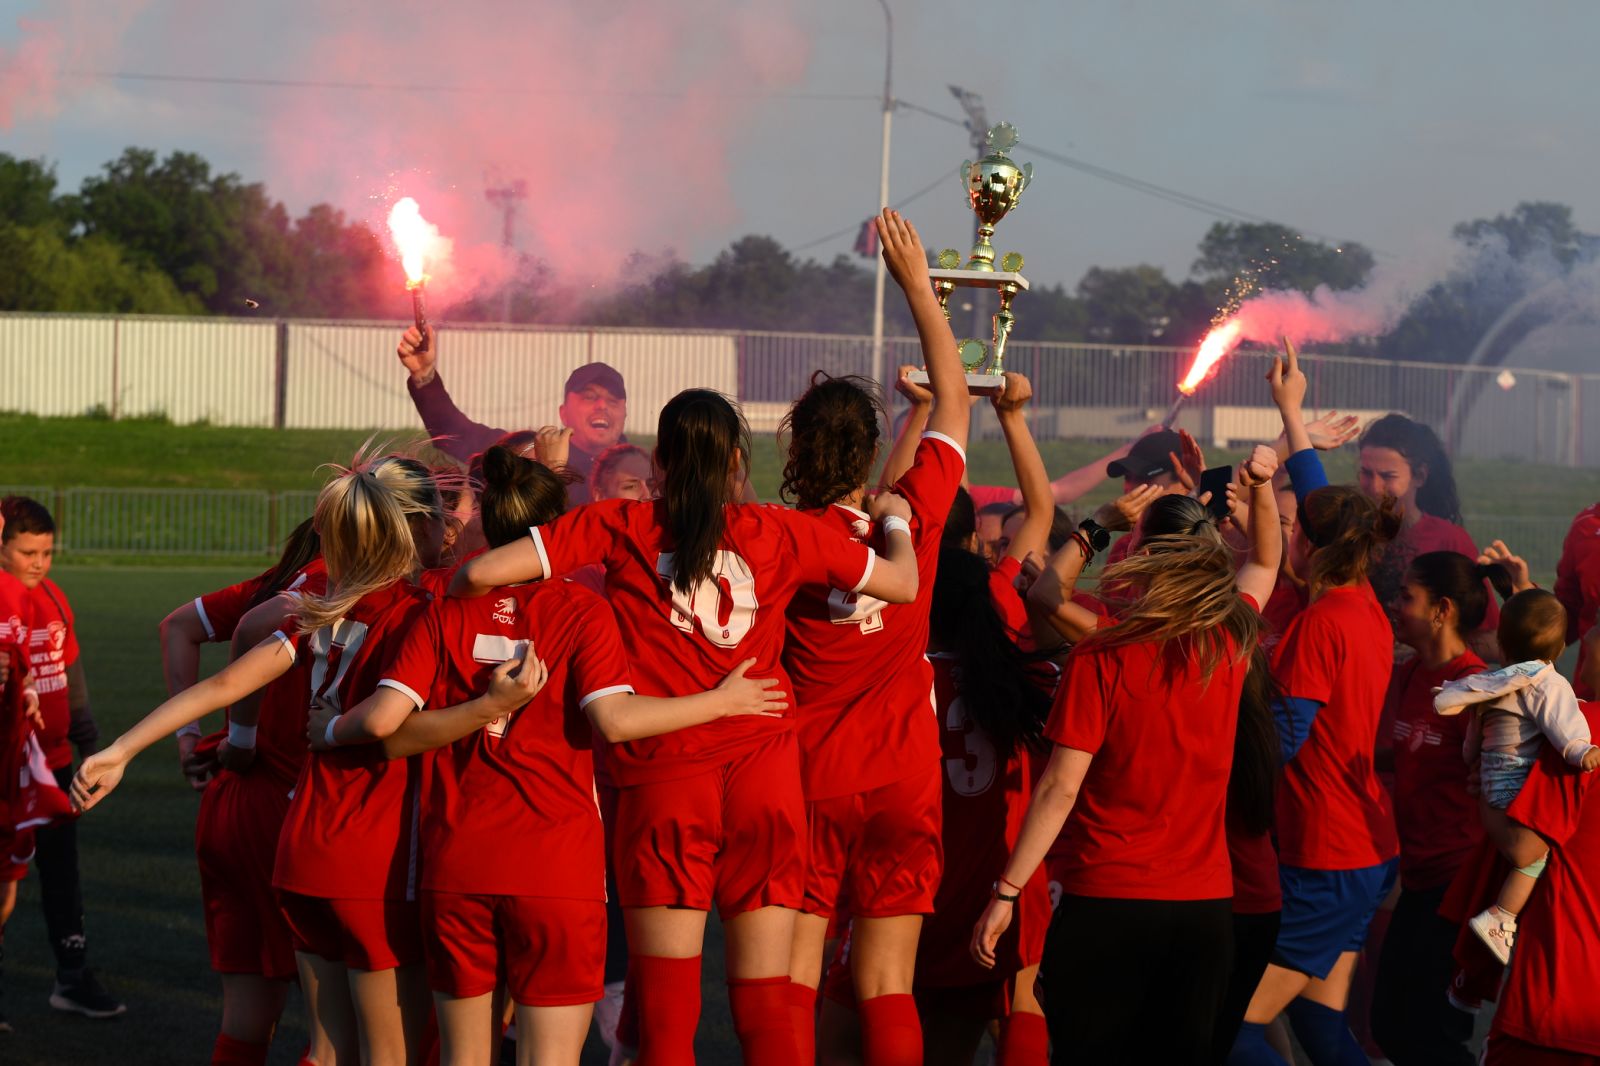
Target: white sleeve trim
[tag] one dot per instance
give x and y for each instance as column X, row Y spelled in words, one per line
column 288, row 644
column 601, row 692
column 866, row 575
column 405, row 690
column 205, row 620
column 935, row 435
column 538, row 546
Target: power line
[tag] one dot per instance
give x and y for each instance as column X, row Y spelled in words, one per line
column 393, row 87
column 919, row 194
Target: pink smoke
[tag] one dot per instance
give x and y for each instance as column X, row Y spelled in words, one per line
column 1326, row 316
column 59, row 40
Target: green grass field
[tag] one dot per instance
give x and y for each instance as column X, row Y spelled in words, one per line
column 141, row 889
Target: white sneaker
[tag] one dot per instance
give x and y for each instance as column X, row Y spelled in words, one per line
column 1498, row 930
column 608, row 1012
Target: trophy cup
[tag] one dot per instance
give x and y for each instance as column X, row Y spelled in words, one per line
column 994, row 184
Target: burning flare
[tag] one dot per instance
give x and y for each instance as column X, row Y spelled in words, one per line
column 1219, row 342
column 414, row 237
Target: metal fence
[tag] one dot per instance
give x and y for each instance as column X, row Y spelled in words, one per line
column 344, row 375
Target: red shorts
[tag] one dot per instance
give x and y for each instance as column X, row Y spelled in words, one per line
column 550, row 952
column 880, row 851
column 16, row 851
column 1502, row 1050
column 363, row 934
column 734, row 835
column 235, row 841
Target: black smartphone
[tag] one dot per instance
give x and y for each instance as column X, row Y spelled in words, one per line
column 1216, row 481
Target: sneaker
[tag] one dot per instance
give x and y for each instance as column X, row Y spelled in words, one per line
column 86, row 996
column 1498, row 930
column 608, row 1012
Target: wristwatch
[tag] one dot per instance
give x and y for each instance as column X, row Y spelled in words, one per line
column 1099, row 536
column 1002, row 897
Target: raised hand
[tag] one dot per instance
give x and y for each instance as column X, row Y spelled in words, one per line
column 552, row 445
column 917, row 395
column 421, row 364
column 1122, row 512
column 1258, row 467
column 903, row 253
column 759, row 696
column 1287, row 379
column 1016, row 394
column 1189, row 462
column 1516, row 567
column 1333, row 430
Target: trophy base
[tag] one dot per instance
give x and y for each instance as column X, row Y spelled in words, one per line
column 980, row 279
column 977, row 384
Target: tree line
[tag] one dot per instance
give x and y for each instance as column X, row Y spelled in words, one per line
column 150, row 235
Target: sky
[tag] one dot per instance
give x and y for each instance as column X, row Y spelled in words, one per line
column 686, row 124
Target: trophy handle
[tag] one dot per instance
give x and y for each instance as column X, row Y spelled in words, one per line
column 1027, row 177
column 966, row 170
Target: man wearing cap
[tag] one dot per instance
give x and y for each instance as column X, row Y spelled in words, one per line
column 595, row 408
column 1153, row 460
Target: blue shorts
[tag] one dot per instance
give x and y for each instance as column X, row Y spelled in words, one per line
column 1326, row 913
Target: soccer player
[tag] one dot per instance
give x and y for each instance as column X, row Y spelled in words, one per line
column 713, row 813
column 345, row 855
column 27, row 548
column 869, row 749
column 526, row 780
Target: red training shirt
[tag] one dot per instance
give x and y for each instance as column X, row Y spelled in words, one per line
column 1333, row 814
column 862, row 683
column 52, row 647
column 351, row 829
column 14, row 613
column 1578, row 582
column 510, row 809
column 1148, row 823
column 1549, row 994
column 1436, row 819
column 681, row 643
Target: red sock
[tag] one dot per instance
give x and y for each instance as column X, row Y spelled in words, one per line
column 230, row 1052
column 761, row 1017
column 669, row 1009
column 803, row 1015
column 628, row 1019
column 891, row 1032
column 1024, row 1040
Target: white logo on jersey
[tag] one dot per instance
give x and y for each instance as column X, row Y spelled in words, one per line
column 972, row 774
column 723, row 605
column 505, row 610
column 497, row 648
column 852, row 608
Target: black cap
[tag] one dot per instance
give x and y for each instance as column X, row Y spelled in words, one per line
column 603, row 374
column 1150, row 455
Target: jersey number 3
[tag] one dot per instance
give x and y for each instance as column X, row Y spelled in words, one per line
column 723, row 605
column 973, row 772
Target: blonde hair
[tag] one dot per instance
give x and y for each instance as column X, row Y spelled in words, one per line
column 364, row 515
column 1180, row 587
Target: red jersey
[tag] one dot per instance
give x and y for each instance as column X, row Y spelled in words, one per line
column 527, row 779
column 1333, row 814
column 684, row 643
column 52, row 647
column 1008, row 602
column 14, row 613
column 1429, row 533
column 1578, row 582
column 1287, row 601
column 281, row 720
column 351, row 831
column 1436, row 819
column 862, row 683
column 1148, row 823
column 1549, row 994
column 985, row 800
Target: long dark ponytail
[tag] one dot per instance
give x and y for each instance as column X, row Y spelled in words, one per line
column 993, row 672
column 302, row 546
column 1253, row 783
column 699, row 437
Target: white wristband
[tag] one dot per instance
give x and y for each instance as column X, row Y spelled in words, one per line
column 241, row 736
column 894, row 522
column 333, row 741
column 191, row 730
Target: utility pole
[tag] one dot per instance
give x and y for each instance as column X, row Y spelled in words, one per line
column 977, row 131
column 505, row 198
column 880, row 365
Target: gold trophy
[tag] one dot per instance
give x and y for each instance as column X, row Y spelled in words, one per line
column 994, row 184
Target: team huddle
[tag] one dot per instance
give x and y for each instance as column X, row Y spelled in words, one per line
column 500, row 738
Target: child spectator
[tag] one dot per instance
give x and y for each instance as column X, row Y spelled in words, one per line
column 1525, row 704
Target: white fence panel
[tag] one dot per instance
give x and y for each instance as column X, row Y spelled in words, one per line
column 57, row 364
column 511, row 379
column 192, row 370
column 345, row 377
